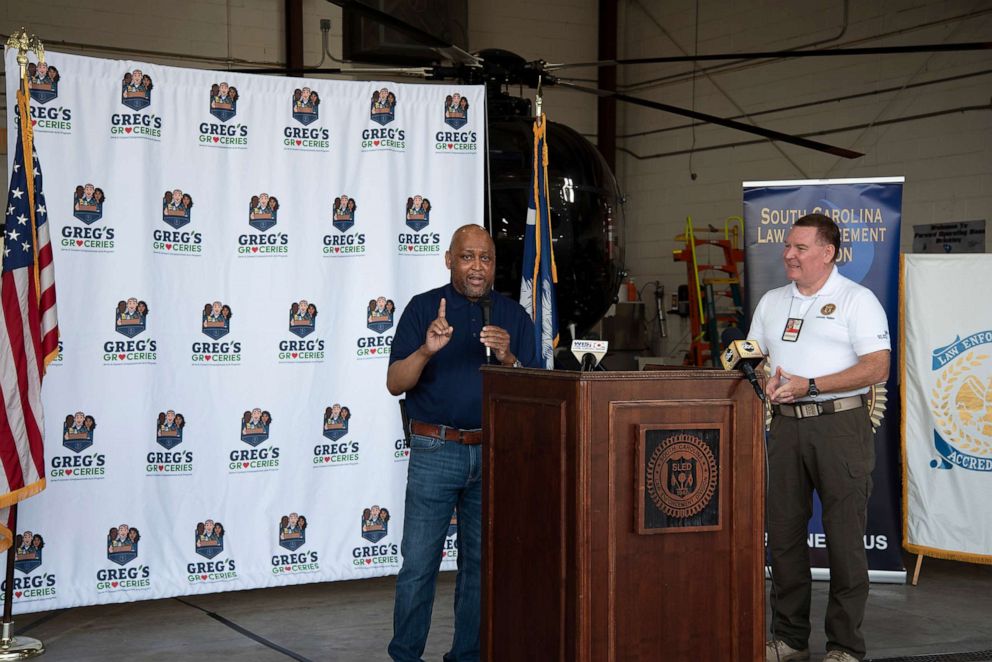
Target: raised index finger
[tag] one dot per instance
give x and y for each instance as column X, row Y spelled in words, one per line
column 440, row 310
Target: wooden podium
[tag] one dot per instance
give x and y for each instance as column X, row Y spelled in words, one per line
column 623, row 516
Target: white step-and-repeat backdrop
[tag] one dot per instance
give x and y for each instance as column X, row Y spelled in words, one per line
column 232, row 254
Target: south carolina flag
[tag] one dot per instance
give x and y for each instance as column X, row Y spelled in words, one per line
column 537, row 284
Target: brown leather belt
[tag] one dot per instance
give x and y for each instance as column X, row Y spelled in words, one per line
column 811, row 409
column 467, row 437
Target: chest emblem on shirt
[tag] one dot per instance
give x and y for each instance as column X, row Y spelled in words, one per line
column 828, row 309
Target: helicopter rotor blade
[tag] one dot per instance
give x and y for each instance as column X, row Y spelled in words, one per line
column 418, row 72
column 762, row 55
column 713, row 119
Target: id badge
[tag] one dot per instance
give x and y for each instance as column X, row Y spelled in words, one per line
column 792, row 328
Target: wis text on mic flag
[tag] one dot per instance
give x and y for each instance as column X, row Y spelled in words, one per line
column 29, row 334
column 537, row 283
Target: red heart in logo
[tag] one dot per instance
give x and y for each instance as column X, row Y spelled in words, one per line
column 244, row 464
column 254, row 249
column 299, row 142
column 114, row 584
column 410, row 248
column 288, row 568
column 444, row 554
column 375, row 142
column 373, row 350
column 127, row 129
column 337, row 249
column 206, row 357
column 121, row 356
column 68, row 472
column 368, row 561
column 295, row 355
column 327, row 459
column 203, row 577
column 450, row 146
column 216, row 139
column 161, row 467
column 168, row 247
column 406, row 452
column 18, row 593
column 33, row 122
column 79, row 242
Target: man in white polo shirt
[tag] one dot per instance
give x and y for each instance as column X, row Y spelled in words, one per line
column 828, row 341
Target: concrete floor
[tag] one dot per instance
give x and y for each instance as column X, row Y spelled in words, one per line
column 949, row 612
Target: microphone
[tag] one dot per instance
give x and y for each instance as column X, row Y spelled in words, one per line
column 589, row 352
column 486, row 303
column 742, row 354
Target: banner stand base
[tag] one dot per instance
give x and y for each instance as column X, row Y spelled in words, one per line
column 18, row 648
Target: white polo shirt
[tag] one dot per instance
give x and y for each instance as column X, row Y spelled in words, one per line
column 841, row 322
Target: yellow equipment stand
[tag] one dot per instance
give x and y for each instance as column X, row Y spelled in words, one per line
column 704, row 317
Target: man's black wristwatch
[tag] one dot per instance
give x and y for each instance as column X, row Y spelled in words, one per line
column 813, row 390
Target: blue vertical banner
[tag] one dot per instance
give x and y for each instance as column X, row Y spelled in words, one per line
column 869, row 213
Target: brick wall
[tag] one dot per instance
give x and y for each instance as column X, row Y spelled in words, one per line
column 191, row 27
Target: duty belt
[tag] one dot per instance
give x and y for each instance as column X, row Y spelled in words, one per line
column 811, row 409
column 467, row 437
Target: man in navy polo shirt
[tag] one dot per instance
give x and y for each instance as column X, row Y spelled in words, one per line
column 439, row 345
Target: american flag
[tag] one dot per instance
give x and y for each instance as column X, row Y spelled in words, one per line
column 29, row 331
column 537, row 283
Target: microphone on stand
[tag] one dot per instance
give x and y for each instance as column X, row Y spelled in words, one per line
column 589, row 353
column 742, row 354
column 486, row 303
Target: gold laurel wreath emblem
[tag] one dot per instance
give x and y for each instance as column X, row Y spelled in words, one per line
column 878, row 396
column 945, row 414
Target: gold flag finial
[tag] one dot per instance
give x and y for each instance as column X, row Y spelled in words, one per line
column 24, row 44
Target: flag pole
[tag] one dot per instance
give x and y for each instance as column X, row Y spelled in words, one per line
column 11, row 647
column 8, row 587
column 539, row 102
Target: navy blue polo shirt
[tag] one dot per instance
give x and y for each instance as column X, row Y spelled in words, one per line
column 449, row 391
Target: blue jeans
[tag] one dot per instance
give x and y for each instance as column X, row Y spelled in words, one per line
column 442, row 475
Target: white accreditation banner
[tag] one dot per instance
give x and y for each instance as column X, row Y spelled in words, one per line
column 947, row 392
column 232, row 254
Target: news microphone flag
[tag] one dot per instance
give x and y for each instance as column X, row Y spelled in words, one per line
column 29, row 330
column 741, row 350
column 540, row 275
